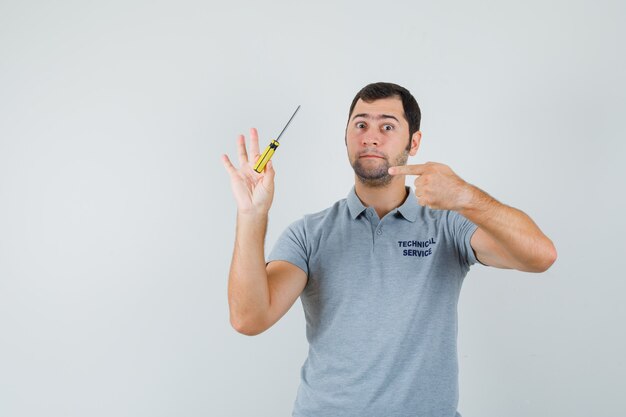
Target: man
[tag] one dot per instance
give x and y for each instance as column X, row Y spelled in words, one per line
column 379, row 272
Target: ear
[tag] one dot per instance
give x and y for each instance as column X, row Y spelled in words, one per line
column 415, row 142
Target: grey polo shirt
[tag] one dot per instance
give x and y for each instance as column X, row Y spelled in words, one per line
column 381, row 308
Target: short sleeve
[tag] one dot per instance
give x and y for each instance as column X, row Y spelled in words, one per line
column 462, row 230
column 291, row 246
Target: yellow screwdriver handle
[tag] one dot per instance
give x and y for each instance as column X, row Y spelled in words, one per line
column 266, row 156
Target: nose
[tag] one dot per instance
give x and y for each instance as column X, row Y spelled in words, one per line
column 370, row 140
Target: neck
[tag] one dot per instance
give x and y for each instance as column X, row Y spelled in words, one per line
column 384, row 198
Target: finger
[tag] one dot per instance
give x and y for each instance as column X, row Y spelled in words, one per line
column 423, row 201
column 254, row 143
column 417, row 169
column 268, row 177
column 419, row 182
column 420, row 194
column 241, row 147
column 228, row 165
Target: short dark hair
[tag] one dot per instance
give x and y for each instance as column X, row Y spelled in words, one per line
column 376, row 91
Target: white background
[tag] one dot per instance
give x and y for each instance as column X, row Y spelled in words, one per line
column 117, row 220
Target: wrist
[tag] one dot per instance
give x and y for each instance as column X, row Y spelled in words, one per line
column 474, row 201
column 466, row 197
column 252, row 215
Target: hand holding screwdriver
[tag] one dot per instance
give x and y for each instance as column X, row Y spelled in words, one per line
column 253, row 191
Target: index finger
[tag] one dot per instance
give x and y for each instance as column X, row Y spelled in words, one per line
column 417, row 169
column 241, row 147
column 254, row 142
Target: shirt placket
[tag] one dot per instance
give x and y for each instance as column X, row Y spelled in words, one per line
column 376, row 223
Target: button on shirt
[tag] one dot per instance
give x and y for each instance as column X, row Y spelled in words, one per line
column 380, row 306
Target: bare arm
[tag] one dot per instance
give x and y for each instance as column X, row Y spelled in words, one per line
column 506, row 237
column 258, row 296
column 248, row 290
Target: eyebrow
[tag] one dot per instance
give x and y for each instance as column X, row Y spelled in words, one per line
column 380, row 116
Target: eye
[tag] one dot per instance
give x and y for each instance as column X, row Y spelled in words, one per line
column 360, row 125
column 388, row 127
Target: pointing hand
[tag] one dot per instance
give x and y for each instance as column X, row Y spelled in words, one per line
column 436, row 186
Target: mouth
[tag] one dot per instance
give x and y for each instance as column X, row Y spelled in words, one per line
column 371, row 156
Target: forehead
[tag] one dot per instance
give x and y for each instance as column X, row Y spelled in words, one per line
column 390, row 105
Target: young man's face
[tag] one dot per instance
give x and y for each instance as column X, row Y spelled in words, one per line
column 377, row 137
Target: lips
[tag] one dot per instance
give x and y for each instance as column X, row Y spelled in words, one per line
column 371, row 156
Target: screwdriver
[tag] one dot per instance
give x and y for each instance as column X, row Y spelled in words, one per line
column 271, row 148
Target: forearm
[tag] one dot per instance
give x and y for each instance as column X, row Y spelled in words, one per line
column 515, row 232
column 248, row 291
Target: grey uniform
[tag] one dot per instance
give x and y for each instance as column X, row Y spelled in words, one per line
column 381, row 308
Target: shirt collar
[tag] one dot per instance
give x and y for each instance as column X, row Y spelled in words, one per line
column 354, row 204
column 408, row 209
